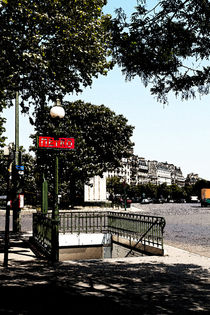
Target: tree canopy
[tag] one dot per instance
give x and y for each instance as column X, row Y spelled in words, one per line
column 51, row 48
column 167, row 46
column 102, row 138
column 2, row 130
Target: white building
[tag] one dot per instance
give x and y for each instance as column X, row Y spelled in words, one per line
column 96, row 190
column 124, row 171
column 163, row 175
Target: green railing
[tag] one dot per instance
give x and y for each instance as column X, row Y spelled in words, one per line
column 44, row 233
column 144, row 229
column 83, row 222
column 148, row 229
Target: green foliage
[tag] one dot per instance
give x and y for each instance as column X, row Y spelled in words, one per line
column 114, row 186
column 28, row 184
column 140, row 191
column 167, row 46
column 51, row 47
column 3, row 174
column 2, row 129
column 176, row 192
column 102, row 139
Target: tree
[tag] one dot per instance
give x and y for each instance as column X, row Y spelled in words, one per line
column 50, row 48
column 177, row 193
column 3, row 174
column 29, row 186
column 167, row 46
column 163, row 191
column 102, row 138
column 150, row 190
column 114, row 186
column 2, row 129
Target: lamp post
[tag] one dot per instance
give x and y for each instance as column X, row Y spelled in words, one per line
column 56, row 112
column 17, row 188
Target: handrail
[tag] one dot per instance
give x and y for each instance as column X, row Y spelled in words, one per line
column 141, row 238
column 139, row 228
column 142, row 228
column 83, row 222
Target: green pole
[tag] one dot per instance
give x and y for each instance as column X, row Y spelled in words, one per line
column 15, row 202
column 16, row 128
column 44, row 196
column 55, row 217
column 55, row 212
column 56, row 188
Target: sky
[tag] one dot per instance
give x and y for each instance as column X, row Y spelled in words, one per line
column 178, row 133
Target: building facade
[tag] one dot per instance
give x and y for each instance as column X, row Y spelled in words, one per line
column 137, row 170
column 124, row 171
column 192, row 178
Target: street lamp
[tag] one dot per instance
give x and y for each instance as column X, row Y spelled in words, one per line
column 56, row 113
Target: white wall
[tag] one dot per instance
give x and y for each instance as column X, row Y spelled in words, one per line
column 97, row 190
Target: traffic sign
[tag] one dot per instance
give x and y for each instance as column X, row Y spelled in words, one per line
column 19, row 167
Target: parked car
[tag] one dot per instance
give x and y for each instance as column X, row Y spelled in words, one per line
column 194, row 199
column 145, row 201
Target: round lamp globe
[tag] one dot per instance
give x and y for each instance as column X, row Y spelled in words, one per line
column 57, row 111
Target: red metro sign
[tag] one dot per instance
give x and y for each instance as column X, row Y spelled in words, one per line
column 51, row 143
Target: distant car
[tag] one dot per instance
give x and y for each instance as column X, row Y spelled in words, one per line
column 145, row 201
column 194, row 199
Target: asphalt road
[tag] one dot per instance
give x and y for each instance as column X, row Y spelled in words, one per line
column 26, row 221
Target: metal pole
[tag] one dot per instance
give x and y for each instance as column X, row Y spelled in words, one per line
column 15, row 205
column 44, row 196
column 55, row 217
column 7, row 219
column 16, row 128
column 56, row 188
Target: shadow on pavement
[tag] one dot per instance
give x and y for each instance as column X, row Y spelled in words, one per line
column 103, row 287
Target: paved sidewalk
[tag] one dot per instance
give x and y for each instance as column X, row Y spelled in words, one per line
column 19, row 249
column 177, row 283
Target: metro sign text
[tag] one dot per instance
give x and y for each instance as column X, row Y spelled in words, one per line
column 51, row 143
